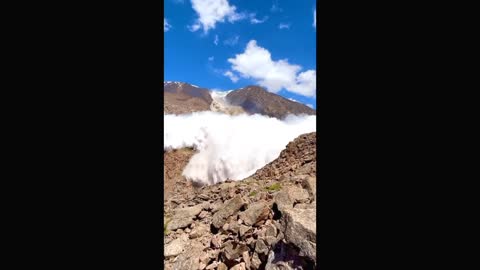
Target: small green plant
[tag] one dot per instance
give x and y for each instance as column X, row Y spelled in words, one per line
column 253, row 193
column 274, row 187
column 165, row 230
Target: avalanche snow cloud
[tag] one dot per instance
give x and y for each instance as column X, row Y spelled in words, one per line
column 231, row 147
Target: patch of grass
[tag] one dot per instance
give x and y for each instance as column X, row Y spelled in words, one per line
column 253, row 193
column 165, row 230
column 274, row 187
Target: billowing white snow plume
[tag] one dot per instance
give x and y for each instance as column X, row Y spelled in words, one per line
column 231, row 147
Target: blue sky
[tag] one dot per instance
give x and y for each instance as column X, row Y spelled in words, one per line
column 229, row 44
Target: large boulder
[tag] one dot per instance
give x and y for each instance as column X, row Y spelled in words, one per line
column 175, row 247
column 183, row 217
column 189, row 260
column 229, row 208
column 301, row 230
column 255, row 213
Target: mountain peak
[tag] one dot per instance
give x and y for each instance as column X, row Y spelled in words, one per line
column 178, row 83
column 255, row 99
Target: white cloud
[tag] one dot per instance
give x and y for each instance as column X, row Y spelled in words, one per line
column 231, row 41
column 275, row 8
column 194, row 27
column 216, row 40
column 294, row 100
column 256, row 63
column 232, row 76
column 211, row 58
column 212, row 11
column 166, row 25
column 284, row 26
column 305, row 83
column 315, row 18
column 254, row 20
column 310, row 105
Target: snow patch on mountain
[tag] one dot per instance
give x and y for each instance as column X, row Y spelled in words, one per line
column 220, row 103
column 178, row 83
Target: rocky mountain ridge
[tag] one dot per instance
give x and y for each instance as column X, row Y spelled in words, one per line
column 254, row 99
column 180, row 98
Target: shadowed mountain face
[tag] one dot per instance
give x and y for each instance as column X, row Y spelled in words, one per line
column 182, row 98
column 254, row 99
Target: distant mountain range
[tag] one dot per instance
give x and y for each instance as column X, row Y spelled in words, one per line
column 181, row 97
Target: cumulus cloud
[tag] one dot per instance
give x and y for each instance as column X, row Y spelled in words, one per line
column 166, row 25
column 210, row 12
column 232, row 41
column 275, row 8
column 231, row 147
column 216, row 40
column 256, row 63
column 254, row 20
column 284, row 26
column 232, row 76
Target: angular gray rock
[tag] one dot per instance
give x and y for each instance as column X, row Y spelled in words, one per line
column 255, row 262
column 189, row 211
column 216, row 241
column 243, row 229
column 271, row 230
column 234, row 226
column 234, row 250
column 229, row 208
column 203, row 214
column 174, row 248
column 260, row 247
column 301, row 230
column 189, row 260
column 246, row 259
column 199, row 230
column 310, row 184
column 183, row 217
column 255, row 213
column 282, row 200
column 297, row 194
column 269, row 265
column 271, row 241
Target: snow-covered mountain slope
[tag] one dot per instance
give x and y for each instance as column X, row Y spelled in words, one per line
column 220, row 103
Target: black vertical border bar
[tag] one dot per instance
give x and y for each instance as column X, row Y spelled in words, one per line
column 161, row 120
column 318, row 128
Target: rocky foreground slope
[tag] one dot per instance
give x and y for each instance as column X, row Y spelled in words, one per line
column 174, row 163
column 267, row 221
